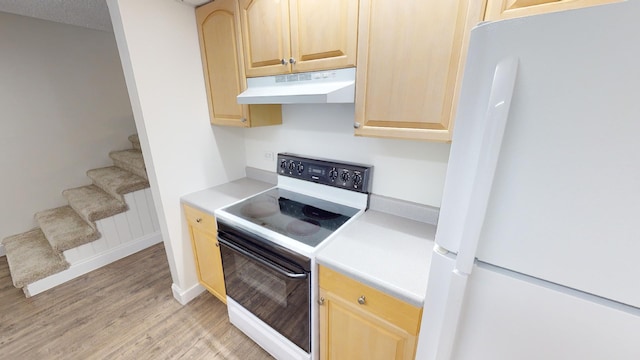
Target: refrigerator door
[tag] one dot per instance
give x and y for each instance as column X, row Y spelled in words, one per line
column 507, row 316
column 564, row 204
column 442, row 306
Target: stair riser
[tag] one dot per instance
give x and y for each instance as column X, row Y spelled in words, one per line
column 136, row 170
column 65, row 229
column 135, row 142
column 31, row 258
column 93, row 204
column 115, row 181
column 99, row 215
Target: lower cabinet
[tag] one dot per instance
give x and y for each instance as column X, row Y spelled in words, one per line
column 360, row 322
column 206, row 251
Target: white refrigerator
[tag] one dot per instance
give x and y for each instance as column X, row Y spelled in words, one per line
column 537, row 250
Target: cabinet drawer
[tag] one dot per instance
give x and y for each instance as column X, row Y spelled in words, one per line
column 376, row 302
column 200, row 219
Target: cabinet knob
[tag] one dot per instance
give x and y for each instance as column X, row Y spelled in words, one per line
column 356, row 125
column 284, row 62
column 362, row 300
column 321, row 301
column 244, row 120
column 217, row 244
column 198, row 220
column 292, row 61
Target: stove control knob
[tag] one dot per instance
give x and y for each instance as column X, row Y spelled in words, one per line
column 300, row 168
column 357, row 179
column 283, row 164
column 345, row 176
column 292, row 165
column 333, row 174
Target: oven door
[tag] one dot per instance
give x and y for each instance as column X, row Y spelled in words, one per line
column 269, row 281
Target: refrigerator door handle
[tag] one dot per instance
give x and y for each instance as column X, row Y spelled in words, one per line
column 496, row 116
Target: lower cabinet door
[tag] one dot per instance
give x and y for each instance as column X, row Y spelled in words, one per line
column 206, row 251
column 349, row 332
column 360, row 322
column 209, row 263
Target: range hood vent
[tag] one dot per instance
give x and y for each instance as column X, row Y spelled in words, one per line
column 321, row 87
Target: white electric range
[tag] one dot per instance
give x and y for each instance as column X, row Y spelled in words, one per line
column 268, row 244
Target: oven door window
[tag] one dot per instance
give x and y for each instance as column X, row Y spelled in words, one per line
column 275, row 293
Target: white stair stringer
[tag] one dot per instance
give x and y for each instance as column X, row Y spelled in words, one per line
column 122, row 235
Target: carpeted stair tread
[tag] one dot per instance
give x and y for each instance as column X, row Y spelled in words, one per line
column 130, row 160
column 31, row 258
column 65, row 229
column 117, row 181
column 92, row 203
column 135, row 141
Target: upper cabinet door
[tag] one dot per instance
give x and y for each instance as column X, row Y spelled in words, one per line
column 323, row 34
column 265, row 28
column 224, row 73
column 410, row 60
column 504, row 9
column 223, row 64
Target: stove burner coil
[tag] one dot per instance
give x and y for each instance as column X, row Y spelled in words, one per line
column 303, row 227
column 260, row 209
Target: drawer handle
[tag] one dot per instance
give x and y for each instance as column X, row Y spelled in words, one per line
column 198, row 220
column 362, row 300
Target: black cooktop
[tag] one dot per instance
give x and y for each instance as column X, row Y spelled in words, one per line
column 300, row 217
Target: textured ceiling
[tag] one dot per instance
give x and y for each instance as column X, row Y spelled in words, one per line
column 92, row 14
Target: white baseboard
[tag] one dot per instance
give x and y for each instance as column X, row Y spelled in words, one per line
column 2, row 253
column 93, row 263
column 185, row 296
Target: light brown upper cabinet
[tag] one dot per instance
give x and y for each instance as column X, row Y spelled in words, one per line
column 410, row 60
column 222, row 61
column 504, row 9
column 281, row 36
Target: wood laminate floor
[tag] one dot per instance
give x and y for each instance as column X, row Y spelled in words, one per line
column 123, row 311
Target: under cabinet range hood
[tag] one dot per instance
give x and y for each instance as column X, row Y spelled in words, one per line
column 320, row 87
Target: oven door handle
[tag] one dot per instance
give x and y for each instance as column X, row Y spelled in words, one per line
column 275, row 267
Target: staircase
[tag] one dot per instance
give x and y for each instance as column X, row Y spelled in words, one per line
column 103, row 222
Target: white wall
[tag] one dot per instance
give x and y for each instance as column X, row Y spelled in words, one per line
column 63, row 105
column 408, row 170
column 158, row 44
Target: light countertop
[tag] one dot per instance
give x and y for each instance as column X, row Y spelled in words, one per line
column 208, row 200
column 386, row 252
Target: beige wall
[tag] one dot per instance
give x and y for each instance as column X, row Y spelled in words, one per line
column 158, row 43
column 63, row 107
